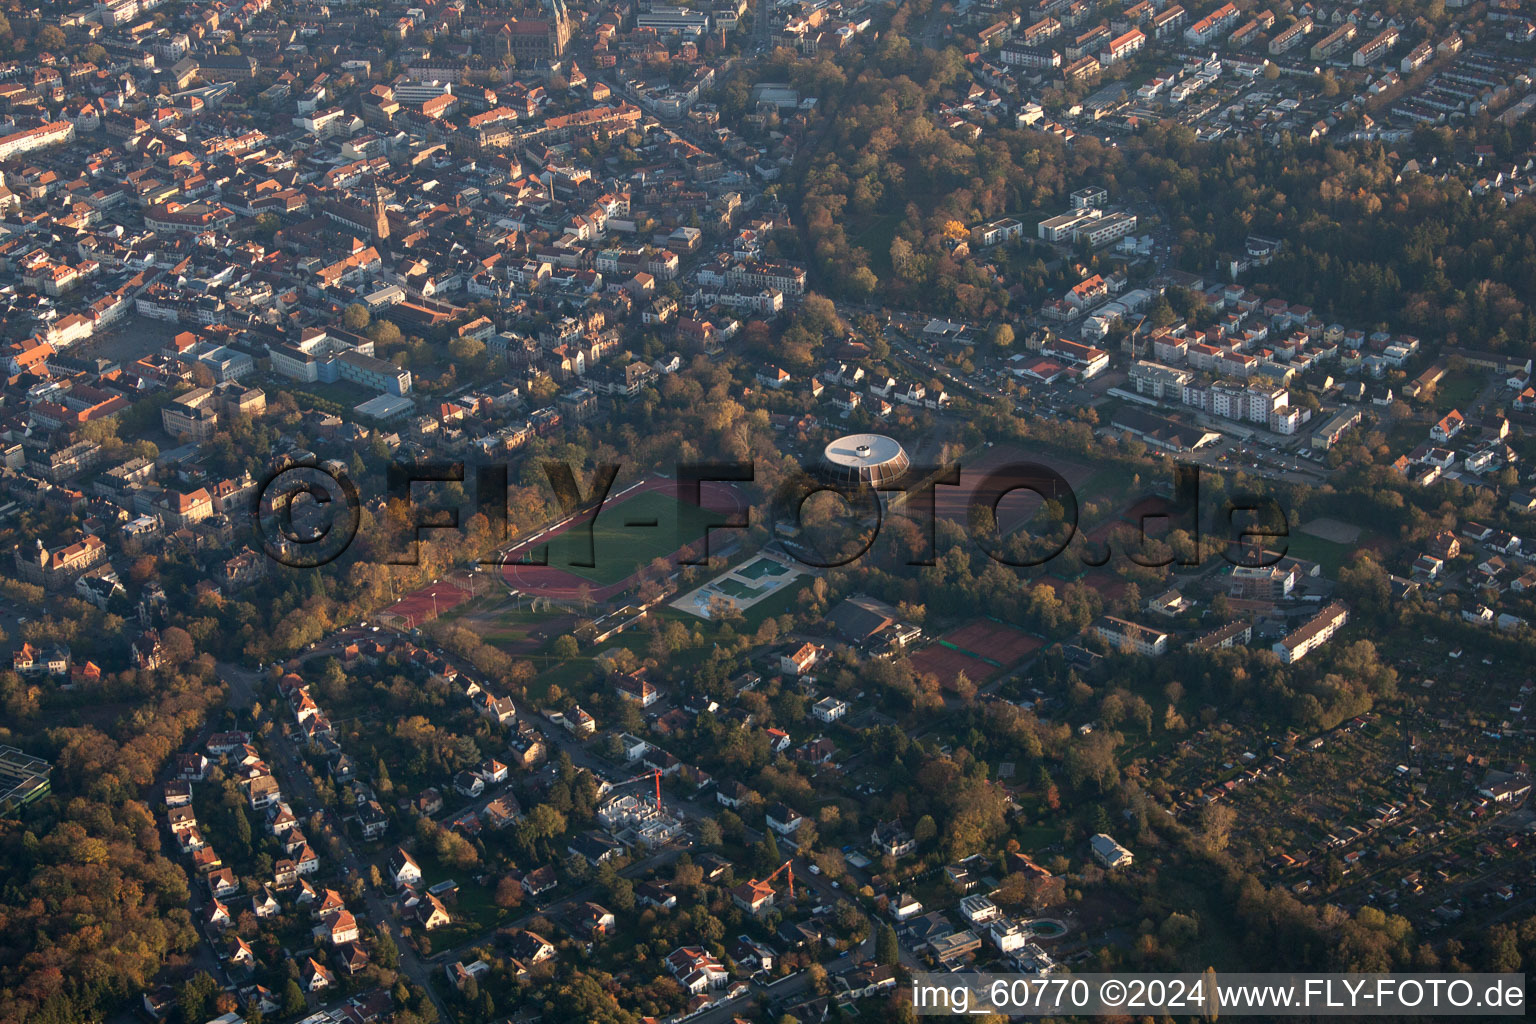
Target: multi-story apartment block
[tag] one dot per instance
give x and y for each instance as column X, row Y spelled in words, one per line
column 1264, row 400
column 1312, row 634
column 1290, row 37
column 1123, row 47
column 783, row 277
column 1334, row 42
column 1123, row 633
column 1157, row 381
column 1377, row 47
column 1212, row 25
column 1168, row 22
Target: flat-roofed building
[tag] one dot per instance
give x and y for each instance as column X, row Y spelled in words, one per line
column 947, row 948
column 23, row 779
column 667, row 20
column 1262, row 582
column 1060, row 228
column 1158, row 381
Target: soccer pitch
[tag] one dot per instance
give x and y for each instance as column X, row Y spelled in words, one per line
column 626, row 537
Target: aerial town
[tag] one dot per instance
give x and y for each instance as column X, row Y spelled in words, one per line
column 521, row 511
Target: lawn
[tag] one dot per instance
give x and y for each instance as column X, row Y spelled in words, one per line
column 627, row 536
column 1033, row 838
column 1190, row 890
column 473, row 911
column 1457, row 391
column 1329, row 554
column 1404, row 434
column 496, row 619
column 778, row 603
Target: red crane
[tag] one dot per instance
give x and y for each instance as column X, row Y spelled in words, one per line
column 653, row 774
column 786, row 866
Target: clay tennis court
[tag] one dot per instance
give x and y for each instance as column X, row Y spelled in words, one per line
column 953, row 503
column 982, row 649
column 946, row 664
column 997, row 641
column 1106, row 584
column 634, row 527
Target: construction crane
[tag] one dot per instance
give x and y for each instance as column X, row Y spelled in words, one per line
column 786, row 866
column 655, row 773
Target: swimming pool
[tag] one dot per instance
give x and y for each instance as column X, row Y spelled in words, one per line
column 756, row 570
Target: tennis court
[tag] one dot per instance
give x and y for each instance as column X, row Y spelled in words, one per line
column 946, row 664
column 996, row 641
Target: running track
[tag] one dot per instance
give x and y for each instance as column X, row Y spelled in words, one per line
column 560, row 585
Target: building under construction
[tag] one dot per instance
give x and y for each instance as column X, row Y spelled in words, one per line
column 635, row 820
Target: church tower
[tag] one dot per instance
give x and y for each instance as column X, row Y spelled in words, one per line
column 380, row 218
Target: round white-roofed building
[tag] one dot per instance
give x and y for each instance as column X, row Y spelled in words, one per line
column 873, row 459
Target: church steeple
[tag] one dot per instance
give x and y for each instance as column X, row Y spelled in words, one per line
column 380, row 218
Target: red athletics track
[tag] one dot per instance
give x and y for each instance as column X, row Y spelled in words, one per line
column 560, row 585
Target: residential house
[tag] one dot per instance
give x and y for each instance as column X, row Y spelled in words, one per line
column 1108, row 853
column 829, row 709
column 314, row 977
column 696, row 970
column 594, row 920
column 799, row 661
column 430, row 912
column 223, row 884
column 892, row 839
column 337, row 928
column 783, row 820
column 539, row 881
column 402, row 869
column 754, row 897
column 532, row 948
column 905, row 906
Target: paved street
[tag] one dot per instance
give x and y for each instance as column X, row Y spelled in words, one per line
column 243, row 686
column 243, row 683
column 298, row 789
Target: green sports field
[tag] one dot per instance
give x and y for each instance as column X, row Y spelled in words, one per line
column 621, row 544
